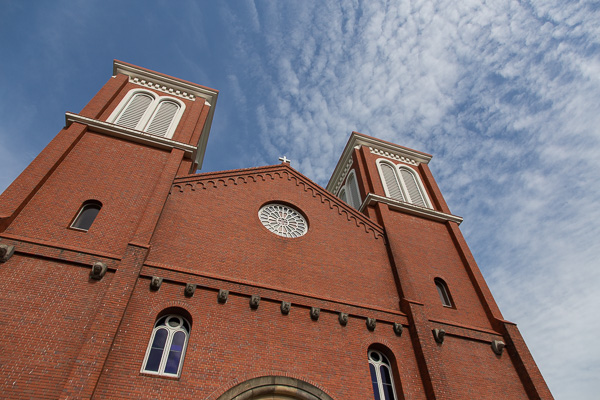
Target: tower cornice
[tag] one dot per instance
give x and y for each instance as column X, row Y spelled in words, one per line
column 176, row 87
column 376, row 146
column 409, row 208
column 131, row 134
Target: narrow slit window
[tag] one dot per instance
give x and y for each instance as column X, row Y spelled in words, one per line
column 166, row 349
column 87, row 214
column 444, row 293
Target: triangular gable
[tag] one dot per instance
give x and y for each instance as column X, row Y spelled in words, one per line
column 208, row 180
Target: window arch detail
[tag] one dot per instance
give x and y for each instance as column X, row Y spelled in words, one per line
column 167, row 345
column 381, row 376
column 402, row 183
column 145, row 111
column 87, row 214
column 444, row 293
column 349, row 192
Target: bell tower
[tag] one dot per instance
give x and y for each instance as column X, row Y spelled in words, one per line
column 440, row 286
column 92, row 199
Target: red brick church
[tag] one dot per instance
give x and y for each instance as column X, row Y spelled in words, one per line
column 124, row 274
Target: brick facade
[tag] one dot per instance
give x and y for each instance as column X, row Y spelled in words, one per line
column 66, row 335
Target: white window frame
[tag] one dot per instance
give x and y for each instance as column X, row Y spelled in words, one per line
column 346, row 188
column 171, row 331
column 397, row 168
column 150, row 112
column 377, row 365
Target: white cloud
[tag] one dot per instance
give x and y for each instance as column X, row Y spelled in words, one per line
column 504, row 94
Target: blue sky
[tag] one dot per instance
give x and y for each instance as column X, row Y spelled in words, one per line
column 504, row 94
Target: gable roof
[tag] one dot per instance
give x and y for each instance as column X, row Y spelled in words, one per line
column 208, row 180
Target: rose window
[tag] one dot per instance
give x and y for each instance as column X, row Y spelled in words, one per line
column 283, row 220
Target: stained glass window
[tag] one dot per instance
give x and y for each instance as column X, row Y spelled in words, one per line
column 166, row 348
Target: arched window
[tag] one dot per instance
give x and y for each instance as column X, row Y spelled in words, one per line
column 163, row 118
column 167, row 345
column 381, row 376
column 349, row 192
column 143, row 110
column 402, row 183
column 413, row 191
column 343, row 195
column 444, row 293
column 134, row 110
column 86, row 215
column 390, row 181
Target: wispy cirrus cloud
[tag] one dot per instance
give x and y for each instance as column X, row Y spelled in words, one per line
column 503, row 94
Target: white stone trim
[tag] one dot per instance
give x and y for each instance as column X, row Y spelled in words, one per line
column 162, row 88
column 400, row 180
column 131, row 134
column 344, row 174
column 209, row 95
column 410, row 209
column 150, row 112
column 393, row 156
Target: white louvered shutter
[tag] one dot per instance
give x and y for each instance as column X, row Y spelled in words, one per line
column 343, row 195
column 162, row 118
column 134, row 111
column 390, row 181
column 353, row 189
column 416, row 197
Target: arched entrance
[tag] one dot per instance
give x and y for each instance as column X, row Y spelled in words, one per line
column 274, row 388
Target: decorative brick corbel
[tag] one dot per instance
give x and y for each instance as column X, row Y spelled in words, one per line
column 498, row 346
column 371, row 323
column 190, row 288
column 314, row 313
column 438, row 335
column 222, row 296
column 398, row 328
column 155, row 283
column 6, row 252
column 254, row 301
column 343, row 318
column 98, row 271
column 285, row 307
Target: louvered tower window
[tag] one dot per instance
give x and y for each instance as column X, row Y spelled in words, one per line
column 390, row 182
column 163, row 118
column 349, row 192
column 353, row 190
column 132, row 113
column 144, row 111
column 410, row 182
column 402, row 183
column 343, row 195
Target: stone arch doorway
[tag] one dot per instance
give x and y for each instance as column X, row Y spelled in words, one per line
column 274, row 388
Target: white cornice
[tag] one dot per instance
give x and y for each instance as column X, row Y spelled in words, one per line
column 375, row 146
column 131, row 134
column 176, row 87
column 410, row 209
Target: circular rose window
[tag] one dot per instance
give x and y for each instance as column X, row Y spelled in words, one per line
column 283, row 220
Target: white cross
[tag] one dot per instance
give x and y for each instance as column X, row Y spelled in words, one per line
column 284, row 159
